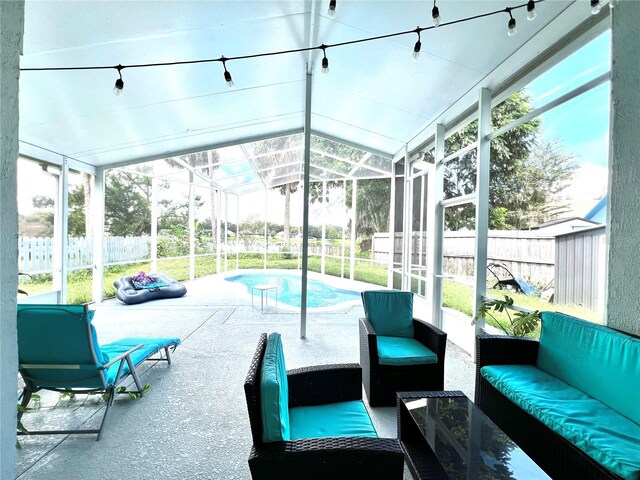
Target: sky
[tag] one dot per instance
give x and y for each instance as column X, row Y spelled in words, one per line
column 581, row 124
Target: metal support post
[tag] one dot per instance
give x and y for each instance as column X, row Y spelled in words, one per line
column 482, row 201
column 435, row 228
column 392, row 227
column 305, row 202
column 154, row 224
column 354, row 209
column 323, row 241
column 192, row 224
column 97, row 209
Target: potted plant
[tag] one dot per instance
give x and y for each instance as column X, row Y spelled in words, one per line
column 521, row 323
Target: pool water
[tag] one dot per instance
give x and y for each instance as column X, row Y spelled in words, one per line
column 319, row 294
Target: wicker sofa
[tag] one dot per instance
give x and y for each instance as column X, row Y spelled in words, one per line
column 570, row 400
column 322, row 454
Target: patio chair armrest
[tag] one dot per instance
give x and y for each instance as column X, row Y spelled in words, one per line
column 366, row 325
column 324, row 384
column 353, row 458
column 431, row 337
column 120, row 357
column 503, row 350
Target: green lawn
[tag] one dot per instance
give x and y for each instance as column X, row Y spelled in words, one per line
column 455, row 295
column 460, row 297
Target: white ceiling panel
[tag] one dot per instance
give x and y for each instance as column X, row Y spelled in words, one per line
column 374, row 94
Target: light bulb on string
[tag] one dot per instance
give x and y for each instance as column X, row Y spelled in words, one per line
column 511, row 26
column 435, row 14
column 332, row 8
column 417, row 46
column 595, row 7
column 227, row 75
column 531, row 10
column 118, row 88
column 325, row 61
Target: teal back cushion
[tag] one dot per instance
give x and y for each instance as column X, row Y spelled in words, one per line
column 274, row 393
column 390, row 312
column 59, row 334
column 597, row 360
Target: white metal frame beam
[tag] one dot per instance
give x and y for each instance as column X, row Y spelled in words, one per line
column 98, row 220
column 60, row 233
column 435, row 228
column 192, row 222
column 354, row 222
column 305, row 213
column 202, row 148
column 392, row 228
column 482, row 202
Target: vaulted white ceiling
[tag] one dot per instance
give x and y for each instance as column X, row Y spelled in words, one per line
column 373, row 96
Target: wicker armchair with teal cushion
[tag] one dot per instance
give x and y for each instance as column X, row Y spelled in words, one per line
column 310, row 423
column 398, row 352
column 58, row 350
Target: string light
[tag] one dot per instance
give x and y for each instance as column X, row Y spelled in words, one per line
column 119, row 85
column 332, row 8
column 595, row 7
column 325, row 60
column 227, row 75
column 531, row 10
column 435, row 13
column 511, row 26
column 417, row 46
column 118, row 88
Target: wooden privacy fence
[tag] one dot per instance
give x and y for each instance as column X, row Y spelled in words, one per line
column 35, row 254
column 526, row 253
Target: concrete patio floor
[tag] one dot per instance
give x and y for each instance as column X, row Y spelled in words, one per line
column 193, row 421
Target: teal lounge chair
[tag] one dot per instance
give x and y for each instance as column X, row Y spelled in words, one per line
column 58, row 350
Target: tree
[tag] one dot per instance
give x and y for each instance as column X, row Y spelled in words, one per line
column 517, row 198
column 372, row 207
column 76, row 214
column 278, row 166
column 175, row 214
column 251, row 228
column 207, row 162
column 280, row 160
column 128, row 202
column 546, row 173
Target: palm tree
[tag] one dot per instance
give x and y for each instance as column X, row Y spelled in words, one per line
column 207, row 162
column 285, row 153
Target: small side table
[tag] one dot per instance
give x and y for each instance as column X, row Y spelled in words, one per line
column 264, row 294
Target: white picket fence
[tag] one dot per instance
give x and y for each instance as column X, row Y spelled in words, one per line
column 35, row 254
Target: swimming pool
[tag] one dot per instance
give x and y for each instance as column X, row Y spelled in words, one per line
column 319, row 294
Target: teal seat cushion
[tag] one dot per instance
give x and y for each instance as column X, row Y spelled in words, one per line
column 606, row 436
column 403, row 351
column 274, row 393
column 344, row 419
column 599, row 361
column 390, row 312
column 150, row 346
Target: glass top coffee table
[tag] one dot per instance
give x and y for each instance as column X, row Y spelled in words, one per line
column 445, row 435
